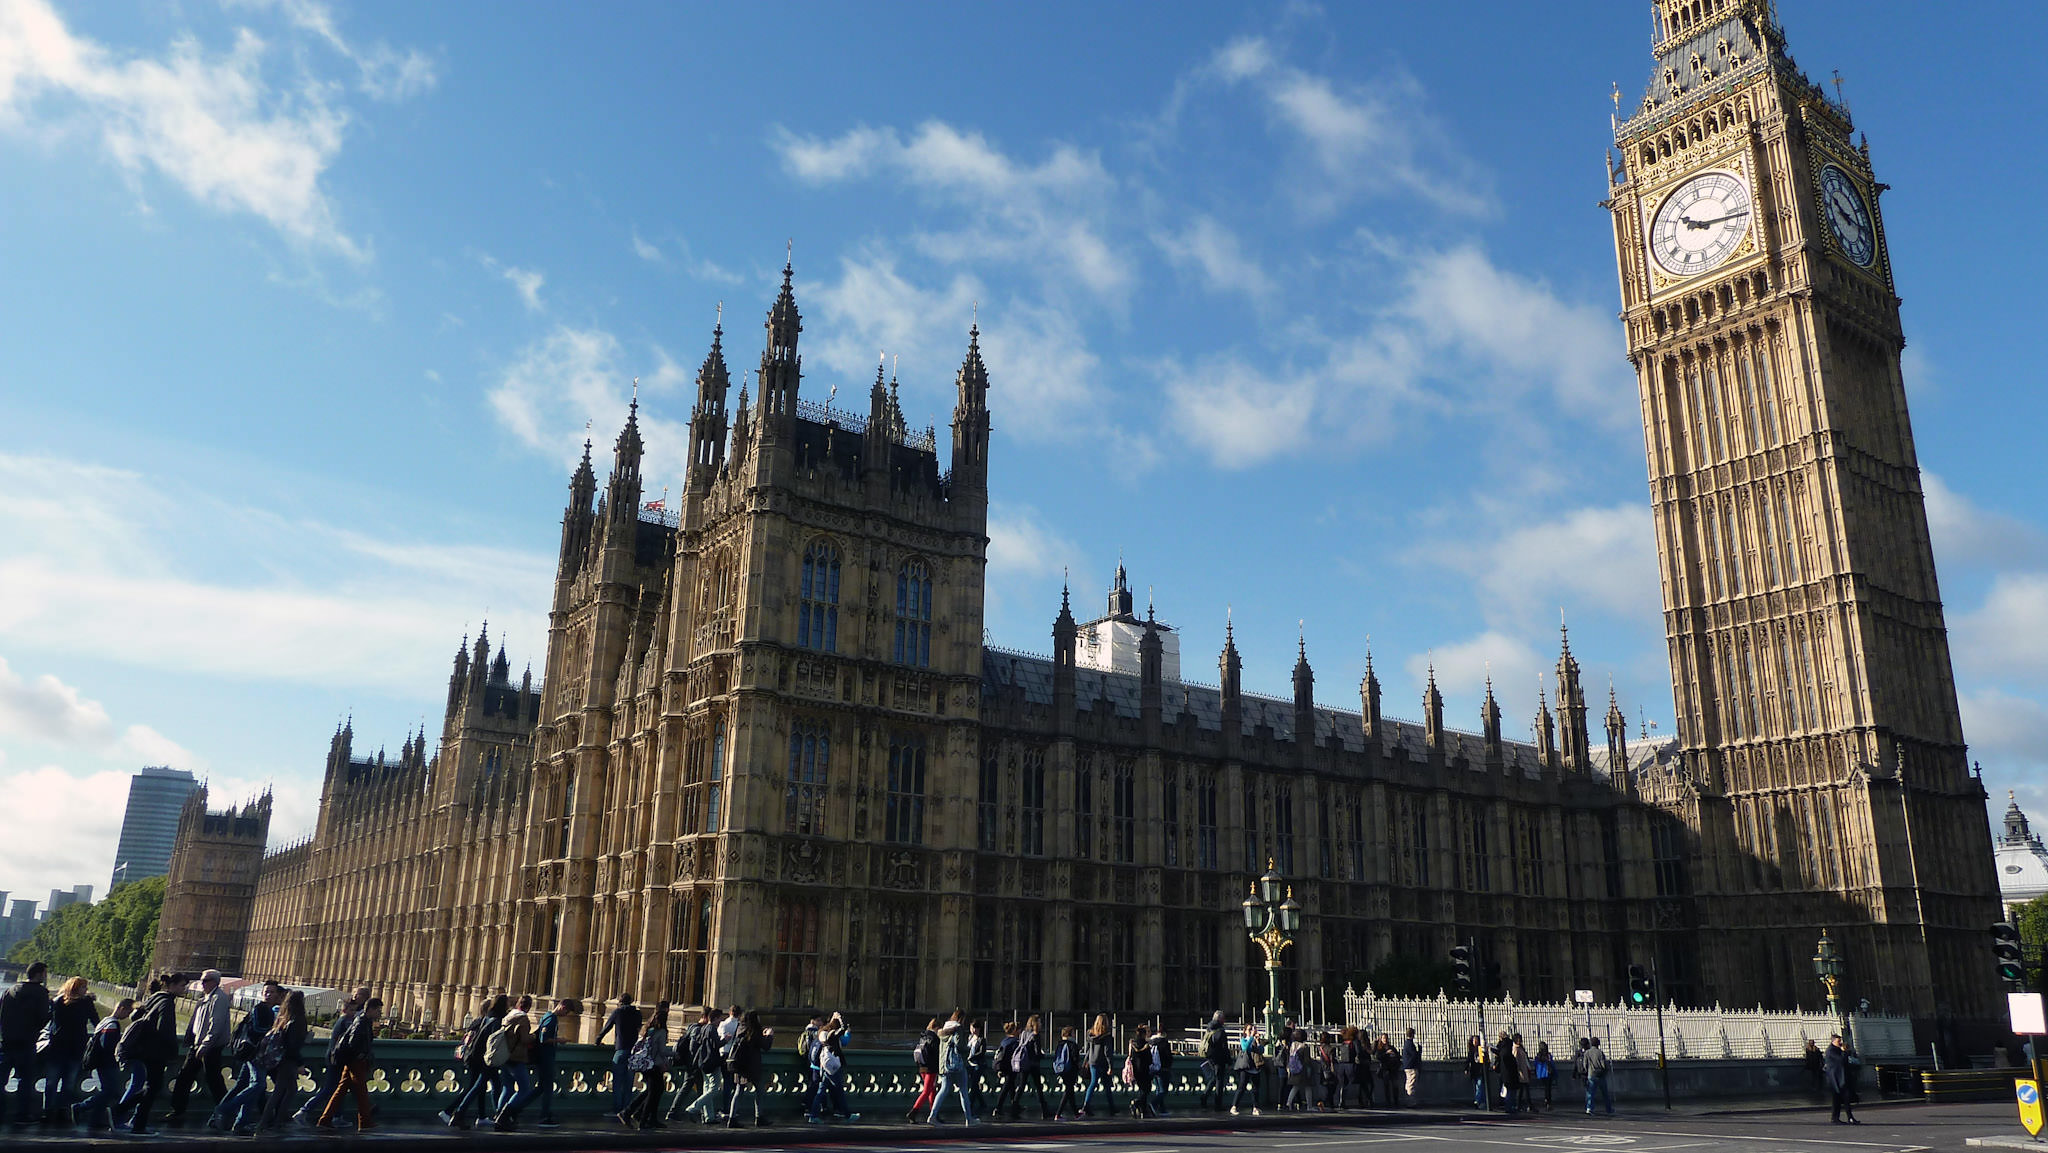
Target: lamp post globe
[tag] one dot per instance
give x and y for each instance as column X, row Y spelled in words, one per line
column 1290, row 914
column 1254, row 912
column 1270, row 885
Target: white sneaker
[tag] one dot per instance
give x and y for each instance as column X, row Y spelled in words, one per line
column 1233, row 1110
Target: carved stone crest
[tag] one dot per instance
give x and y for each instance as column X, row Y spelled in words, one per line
column 801, row 862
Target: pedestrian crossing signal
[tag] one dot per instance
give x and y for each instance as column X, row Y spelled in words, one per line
column 2011, row 956
column 1641, row 991
column 1461, row 968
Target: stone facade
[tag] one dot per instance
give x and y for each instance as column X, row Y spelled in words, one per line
column 1822, row 773
column 211, row 886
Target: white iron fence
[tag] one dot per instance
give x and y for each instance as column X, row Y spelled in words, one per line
column 1441, row 1026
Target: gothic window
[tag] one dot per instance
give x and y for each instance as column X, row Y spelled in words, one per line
column 1251, row 828
column 817, row 618
column 695, row 755
column 1170, row 800
column 904, row 823
column 1123, row 799
column 1789, row 528
column 1788, row 697
column 714, row 789
column 1084, row 811
column 896, row 973
column 1205, row 824
column 1031, row 786
column 914, row 615
column 1008, row 956
column 1729, row 697
column 1751, row 410
column 715, row 596
column 1713, row 549
column 1326, row 849
column 985, row 806
column 1123, row 961
column 1734, row 542
column 1769, row 390
column 1283, row 829
column 1750, row 716
column 1357, row 815
column 983, row 954
column 1806, row 680
column 1529, row 853
column 1770, row 539
column 689, row 947
column 810, row 764
column 1699, row 408
column 795, row 971
column 1476, row 857
column 565, row 814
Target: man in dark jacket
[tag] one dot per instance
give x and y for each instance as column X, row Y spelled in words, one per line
column 1411, row 1070
column 1215, row 1062
column 624, row 1027
column 24, row 1010
column 1841, row 1076
column 147, row 1049
column 353, row 1051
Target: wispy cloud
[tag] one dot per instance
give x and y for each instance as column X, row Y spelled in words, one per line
column 1215, row 252
column 383, row 72
column 51, row 712
column 209, row 122
column 571, row 385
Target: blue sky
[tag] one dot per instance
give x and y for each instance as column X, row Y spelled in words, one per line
column 1308, row 312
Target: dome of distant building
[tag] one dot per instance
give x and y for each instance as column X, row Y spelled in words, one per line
column 2021, row 859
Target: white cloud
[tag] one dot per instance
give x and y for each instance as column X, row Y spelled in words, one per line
column 1356, row 140
column 1236, row 413
column 1215, row 251
column 2007, row 635
column 1462, row 669
column 2011, row 731
column 53, row 713
column 384, row 73
column 1021, row 546
column 210, row 123
column 96, row 567
column 568, row 386
column 645, row 251
column 527, row 283
column 1592, row 559
column 1965, row 534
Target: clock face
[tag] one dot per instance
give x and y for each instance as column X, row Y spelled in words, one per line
column 1699, row 225
column 1847, row 215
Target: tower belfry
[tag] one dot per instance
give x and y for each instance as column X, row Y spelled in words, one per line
column 1808, row 650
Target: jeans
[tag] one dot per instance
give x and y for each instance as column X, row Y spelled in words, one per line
column 480, row 1093
column 60, row 1082
column 1247, row 1082
column 100, row 1102
column 1596, row 1086
column 330, row 1076
column 1099, row 1077
column 622, row 1079
column 653, row 1084
column 830, row 1091
column 145, row 1081
column 710, row 1103
column 1212, row 1084
column 245, row 1097
column 543, row 1083
column 21, row 1061
column 732, row 1111
column 284, row 1087
column 1479, row 1093
column 1156, row 1094
column 517, row 1091
column 954, row 1081
column 1347, row 1075
column 1512, row 1095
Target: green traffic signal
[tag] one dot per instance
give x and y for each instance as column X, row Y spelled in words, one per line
column 2009, row 953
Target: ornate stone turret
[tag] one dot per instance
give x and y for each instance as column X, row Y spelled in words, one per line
column 576, row 519
column 1304, row 698
column 707, row 419
column 1617, row 738
column 1151, row 689
column 1064, row 632
column 1369, row 703
column 1230, row 671
column 1489, row 725
column 1433, row 713
column 1546, row 737
column 970, row 421
column 622, row 492
column 1571, row 709
column 781, row 367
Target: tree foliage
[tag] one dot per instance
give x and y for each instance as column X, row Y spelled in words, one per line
column 109, row 941
column 1406, row 975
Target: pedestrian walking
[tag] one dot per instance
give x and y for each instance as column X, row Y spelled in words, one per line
column 473, row 1053
column 1475, row 1071
column 1389, row 1058
column 73, row 1017
column 355, row 1051
column 977, row 1065
column 1215, row 1062
column 516, row 1086
column 1297, row 1072
column 1840, row 1069
column 279, row 1056
column 829, row 1101
column 1138, row 1073
column 146, row 1050
column 1162, row 1071
column 1345, row 1058
column 1815, row 1066
column 1010, row 1082
column 1544, row 1068
column 623, row 1026
column 1594, row 1064
column 1510, row 1073
column 330, row 1075
column 924, row 1054
column 246, row 1094
column 1066, row 1065
column 101, row 1064
column 547, row 1040
column 743, row 1064
column 207, row 1035
column 1030, row 1061
column 24, row 1010
column 1411, row 1070
column 807, row 1055
column 1246, row 1064
column 1098, row 1047
column 650, row 1058
column 954, row 1070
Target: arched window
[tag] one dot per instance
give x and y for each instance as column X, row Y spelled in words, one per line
column 817, row 622
column 715, row 791
column 914, row 615
column 810, row 762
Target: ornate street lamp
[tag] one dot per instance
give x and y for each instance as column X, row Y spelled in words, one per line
column 1272, row 921
column 1827, row 965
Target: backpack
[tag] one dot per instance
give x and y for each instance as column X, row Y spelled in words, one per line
column 1294, row 1066
column 641, row 1059
column 468, row 1051
column 1063, row 1059
column 1007, row 1056
column 270, row 1052
column 704, row 1046
column 1215, row 1047
column 925, row 1053
column 498, row 1047
column 950, row 1058
column 1164, row 1049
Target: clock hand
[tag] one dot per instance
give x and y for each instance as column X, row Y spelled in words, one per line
column 1699, row 224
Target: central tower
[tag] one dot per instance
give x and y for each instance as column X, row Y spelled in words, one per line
column 1810, row 670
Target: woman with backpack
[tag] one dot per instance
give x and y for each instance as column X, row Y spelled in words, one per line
column 278, row 1057
column 1545, row 1069
column 925, row 1055
column 1138, row 1073
column 650, row 1057
column 1299, row 1063
column 1066, row 1065
column 470, row 1053
column 977, row 1064
column 1010, row 1083
column 244, row 1045
column 99, row 1061
column 147, row 1048
column 1346, row 1067
column 1029, row 1056
column 1099, row 1045
column 517, row 1077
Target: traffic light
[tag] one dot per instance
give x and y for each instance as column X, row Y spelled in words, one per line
column 2012, row 962
column 1640, row 989
column 1461, row 968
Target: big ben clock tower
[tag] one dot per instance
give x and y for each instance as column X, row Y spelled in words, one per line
column 1826, row 774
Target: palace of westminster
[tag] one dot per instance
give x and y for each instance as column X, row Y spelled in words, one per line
column 771, row 762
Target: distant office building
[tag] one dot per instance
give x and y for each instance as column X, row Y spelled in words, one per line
column 156, row 796
column 59, row 898
column 19, row 925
